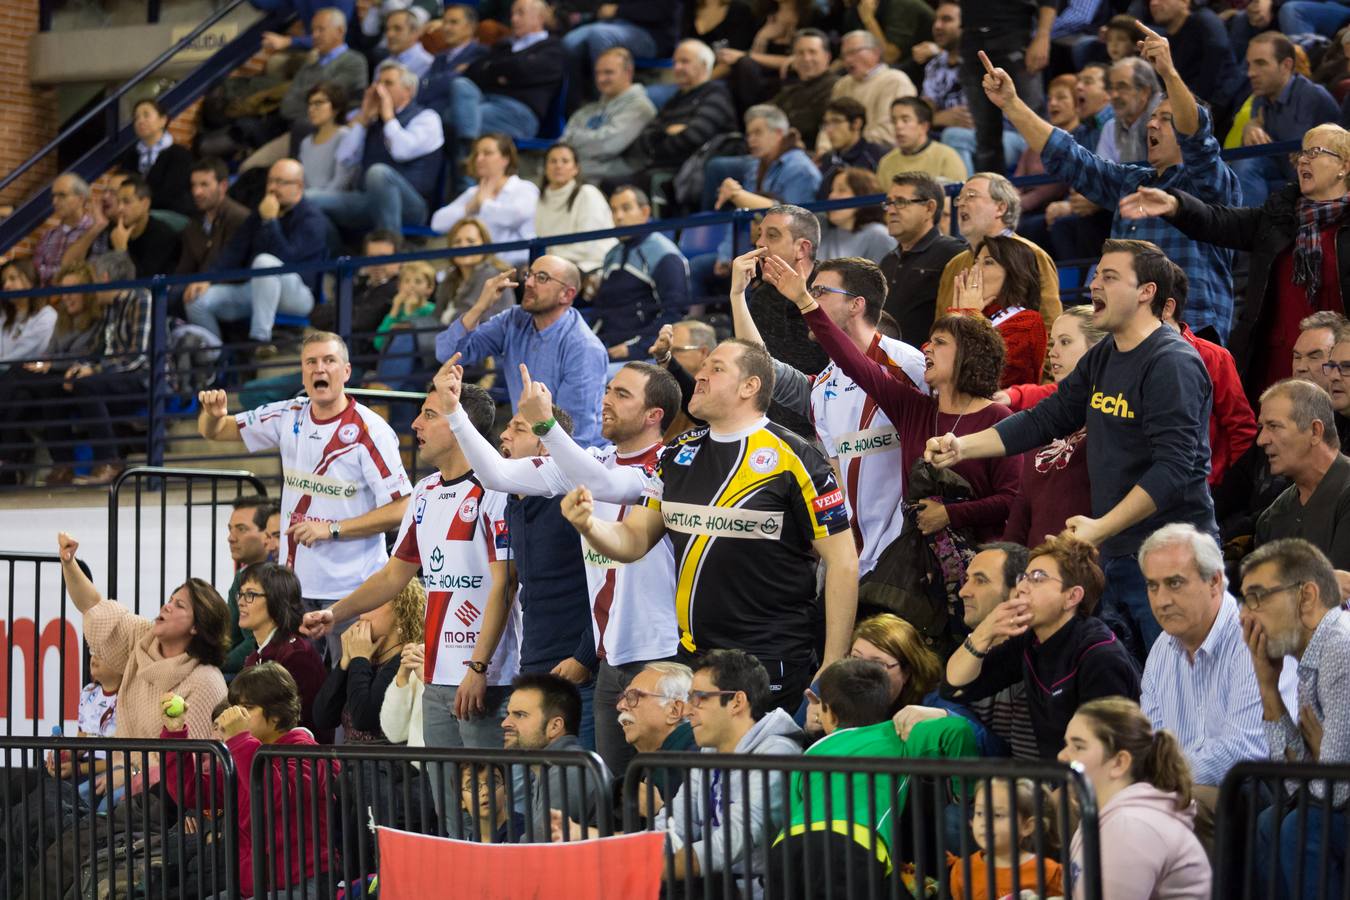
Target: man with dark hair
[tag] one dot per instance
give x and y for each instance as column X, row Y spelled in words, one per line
column 545, row 332
column 840, row 821
column 245, row 534
column 860, row 442
column 1285, row 105
column 204, row 236
column 842, row 124
column 745, row 502
column 633, row 606
column 804, row 95
column 1232, row 426
column 1046, row 634
column 457, row 33
column 913, row 270
column 1291, row 607
column 1298, row 434
column 1093, row 104
column 1144, row 397
column 1317, row 334
column 544, row 712
column 915, row 150
column 150, row 242
column 732, row 710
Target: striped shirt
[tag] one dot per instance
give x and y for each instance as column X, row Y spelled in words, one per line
column 1323, row 687
column 1211, row 704
column 126, row 332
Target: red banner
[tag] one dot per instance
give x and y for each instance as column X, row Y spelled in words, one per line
column 416, row 867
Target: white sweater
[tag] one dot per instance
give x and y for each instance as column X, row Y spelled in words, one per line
column 589, row 212
column 401, row 712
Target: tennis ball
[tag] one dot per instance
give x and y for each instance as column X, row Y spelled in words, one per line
column 175, row 708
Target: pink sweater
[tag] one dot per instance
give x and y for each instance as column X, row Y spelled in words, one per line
column 1149, row 848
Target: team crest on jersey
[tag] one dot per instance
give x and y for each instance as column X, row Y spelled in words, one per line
column 763, row 460
column 468, row 510
column 686, row 455
column 349, row 432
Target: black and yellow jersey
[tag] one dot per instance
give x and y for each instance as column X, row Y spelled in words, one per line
column 742, row 511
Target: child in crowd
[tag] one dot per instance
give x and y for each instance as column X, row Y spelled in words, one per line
column 416, row 285
column 1010, row 810
column 483, row 797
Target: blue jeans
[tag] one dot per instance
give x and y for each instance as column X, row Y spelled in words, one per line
column 962, row 140
column 1257, row 176
column 258, row 300
column 585, row 44
column 1301, row 850
column 472, row 113
column 1311, row 17
column 385, row 200
column 1126, row 595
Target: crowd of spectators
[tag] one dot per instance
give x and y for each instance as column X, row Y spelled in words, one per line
column 912, row 484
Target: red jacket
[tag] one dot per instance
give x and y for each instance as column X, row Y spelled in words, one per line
column 293, row 791
column 1232, row 426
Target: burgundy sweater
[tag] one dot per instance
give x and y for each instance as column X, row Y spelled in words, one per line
column 1055, row 484
column 915, row 415
column 298, row 656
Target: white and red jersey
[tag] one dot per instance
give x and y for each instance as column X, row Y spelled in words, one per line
column 862, row 442
column 455, row 532
column 333, row 469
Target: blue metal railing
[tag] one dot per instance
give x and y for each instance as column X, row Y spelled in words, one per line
column 33, row 211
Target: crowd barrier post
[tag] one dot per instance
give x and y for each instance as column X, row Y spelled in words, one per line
column 33, row 632
column 336, row 795
column 345, row 274
column 104, row 817
column 156, row 433
column 825, row 827
column 200, row 487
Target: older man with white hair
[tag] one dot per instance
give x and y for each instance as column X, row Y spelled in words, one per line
column 652, row 715
column 70, row 195
column 396, row 143
column 872, row 83
column 700, row 109
column 1198, row 682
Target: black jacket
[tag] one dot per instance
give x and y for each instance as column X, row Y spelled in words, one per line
column 1265, row 232
column 705, row 111
column 170, row 178
column 532, row 76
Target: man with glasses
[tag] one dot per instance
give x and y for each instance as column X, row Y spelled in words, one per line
column 246, row 536
column 1291, row 608
column 70, row 195
column 1317, row 335
column 1046, row 636
column 1299, row 437
column 842, row 124
column 914, row 206
column 654, row 716
column 544, row 333
column 1336, row 374
column 872, row 83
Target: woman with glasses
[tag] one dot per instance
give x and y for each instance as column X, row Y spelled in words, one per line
column 327, row 105
column 1299, row 245
column 270, row 609
column 504, row 201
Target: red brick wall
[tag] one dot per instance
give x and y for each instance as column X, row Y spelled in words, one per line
column 27, row 114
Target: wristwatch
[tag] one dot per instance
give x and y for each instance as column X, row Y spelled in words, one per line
column 479, row 667
column 335, row 530
column 543, row 428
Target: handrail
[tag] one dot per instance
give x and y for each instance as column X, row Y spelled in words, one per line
column 121, row 92
column 696, row 220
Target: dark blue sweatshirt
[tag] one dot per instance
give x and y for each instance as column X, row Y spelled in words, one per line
column 298, row 235
column 555, row 602
column 1147, row 418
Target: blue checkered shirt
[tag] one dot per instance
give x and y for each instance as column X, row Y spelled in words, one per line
column 1201, row 173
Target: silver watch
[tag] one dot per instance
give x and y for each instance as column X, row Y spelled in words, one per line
column 335, row 530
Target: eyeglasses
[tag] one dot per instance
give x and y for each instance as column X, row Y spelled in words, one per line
column 539, row 277
column 246, row 598
column 1313, row 153
column 816, row 290
column 633, row 696
column 899, row 202
column 882, row 663
column 1037, row 577
column 1254, row 598
column 967, row 197
column 1333, row 368
column 696, row 698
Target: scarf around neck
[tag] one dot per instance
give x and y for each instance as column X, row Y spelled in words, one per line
column 1314, row 216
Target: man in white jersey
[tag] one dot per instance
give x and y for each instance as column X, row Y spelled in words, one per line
column 859, row 440
column 344, row 483
column 633, row 606
column 455, row 531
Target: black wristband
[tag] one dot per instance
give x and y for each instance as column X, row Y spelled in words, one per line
column 970, row 648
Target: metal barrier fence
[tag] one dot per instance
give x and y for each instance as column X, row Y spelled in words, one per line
column 209, row 488
column 842, row 828
column 314, row 808
column 1281, row 832
column 33, row 629
column 103, row 818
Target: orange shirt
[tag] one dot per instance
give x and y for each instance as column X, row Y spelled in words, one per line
column 1003, row 878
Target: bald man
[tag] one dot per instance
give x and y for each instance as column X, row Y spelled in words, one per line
column 545, row 333
column 284, row 229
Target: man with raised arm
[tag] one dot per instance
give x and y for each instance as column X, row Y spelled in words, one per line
column 745, row 502
column 1182, row 153
column 1144, row 397
column 632, row 606
column 455, row 531
column 343, row 485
